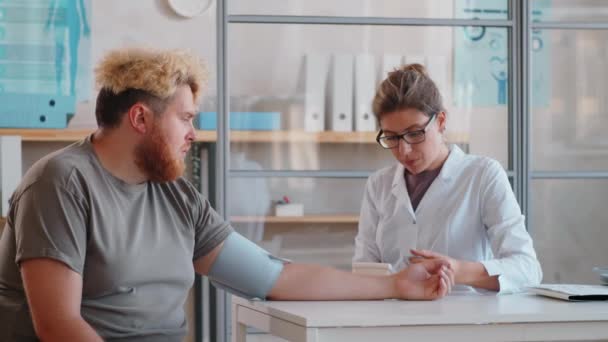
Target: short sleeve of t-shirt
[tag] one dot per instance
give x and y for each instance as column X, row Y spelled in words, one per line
column 210, row 228
column 50, row 222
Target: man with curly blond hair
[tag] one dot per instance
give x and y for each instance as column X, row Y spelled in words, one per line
column 103, row 237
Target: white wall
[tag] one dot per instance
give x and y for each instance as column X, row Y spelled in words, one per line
column 116, row 24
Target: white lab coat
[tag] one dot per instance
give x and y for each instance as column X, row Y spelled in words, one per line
column 469, row 213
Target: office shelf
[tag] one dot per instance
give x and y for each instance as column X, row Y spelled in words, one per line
column 69, row 135
column 301, row 136
column 315, row 137
column 297, row 219
column 60, row 135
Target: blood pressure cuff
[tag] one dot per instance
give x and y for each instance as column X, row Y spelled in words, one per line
column 245, row 269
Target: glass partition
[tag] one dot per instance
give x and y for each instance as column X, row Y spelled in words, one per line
column 569, row 116
column 300, row 97
column 569, row 10
column 302, row 219
column 569, row 219
column 462, row 9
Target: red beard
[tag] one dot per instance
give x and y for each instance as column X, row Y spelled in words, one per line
column 153, row 156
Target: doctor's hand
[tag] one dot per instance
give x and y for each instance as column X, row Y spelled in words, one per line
column 424, row 281
column 423, row 256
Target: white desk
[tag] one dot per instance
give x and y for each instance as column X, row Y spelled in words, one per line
column 518, row 317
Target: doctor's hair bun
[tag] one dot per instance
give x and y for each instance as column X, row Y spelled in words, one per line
column 419, row 68
column 407, row 87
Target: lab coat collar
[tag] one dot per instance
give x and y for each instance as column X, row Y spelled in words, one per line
column 450, row 165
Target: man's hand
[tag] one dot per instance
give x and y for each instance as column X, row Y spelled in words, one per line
column 422, row 281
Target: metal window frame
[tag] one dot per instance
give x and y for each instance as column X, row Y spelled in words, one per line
column 519, row 28
column 557, row 174
column 220, row 310
column 220, row 326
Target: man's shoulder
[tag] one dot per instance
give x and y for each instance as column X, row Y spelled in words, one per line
column 181, row 188
column 58, row 166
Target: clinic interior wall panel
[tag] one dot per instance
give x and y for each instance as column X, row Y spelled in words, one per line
column 568, row 226
column 568, row 127
column 361, row 8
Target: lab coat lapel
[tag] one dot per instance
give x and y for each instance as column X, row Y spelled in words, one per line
column 431, row 207
column 440, row 186
column 399, row 190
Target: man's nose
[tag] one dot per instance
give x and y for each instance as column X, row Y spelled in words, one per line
column 191, row 136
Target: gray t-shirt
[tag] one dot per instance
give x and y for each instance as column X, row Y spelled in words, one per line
column 133, row 245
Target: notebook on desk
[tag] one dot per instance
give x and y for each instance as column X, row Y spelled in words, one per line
column 572, row 292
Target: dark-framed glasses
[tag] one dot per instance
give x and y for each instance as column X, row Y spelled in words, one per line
column 390, row 140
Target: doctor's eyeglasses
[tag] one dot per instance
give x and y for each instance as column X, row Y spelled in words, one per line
column 390, row 140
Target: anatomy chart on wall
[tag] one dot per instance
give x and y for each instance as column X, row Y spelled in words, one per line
column 44, row 54
column 481, row 56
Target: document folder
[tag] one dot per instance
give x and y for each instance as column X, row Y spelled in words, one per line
column 365, row 88
column 572, row 292
column 341, row 113
column 315, row 79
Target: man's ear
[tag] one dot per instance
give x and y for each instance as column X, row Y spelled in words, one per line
column 139, row 116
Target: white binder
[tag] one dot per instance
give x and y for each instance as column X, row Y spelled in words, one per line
column 10, row 168
column 315, row 79
column 341, row 112
column 437, row 67
column 365, row 89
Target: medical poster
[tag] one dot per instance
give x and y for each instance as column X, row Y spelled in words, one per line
column 482, row 56
column 44, row 51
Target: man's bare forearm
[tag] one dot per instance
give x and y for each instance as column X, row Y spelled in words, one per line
column 313, row 282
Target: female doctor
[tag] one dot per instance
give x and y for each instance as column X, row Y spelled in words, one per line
column 437, row 202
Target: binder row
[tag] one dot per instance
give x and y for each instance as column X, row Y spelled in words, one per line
column 339, row 89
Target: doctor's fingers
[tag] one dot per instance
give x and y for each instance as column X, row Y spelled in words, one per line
column 416, row 259
column 448, row 275
column 425, row 253
column 439, row 287
column 433, row 265
column 442, row 284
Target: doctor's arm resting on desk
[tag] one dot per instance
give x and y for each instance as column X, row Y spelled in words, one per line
column 515, row 263
column 243, row 268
